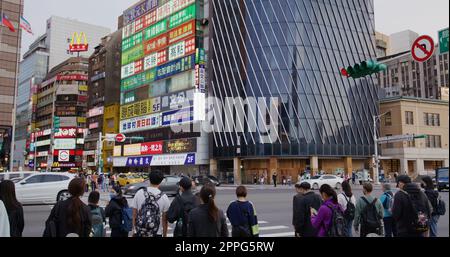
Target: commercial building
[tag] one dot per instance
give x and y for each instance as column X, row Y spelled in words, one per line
column 415, row 116
column 9, row 57
column 406, row 77
column 48, row 50
column 383, row 43
column 402, row 41
column 286, row 56
column 104, row 93
column 163, row 68
column 32, row 71
column 61, row 116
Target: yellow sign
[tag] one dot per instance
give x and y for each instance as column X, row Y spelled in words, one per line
column 142, row 108
column 81, row 119
column 79, row 43
column 83, row 88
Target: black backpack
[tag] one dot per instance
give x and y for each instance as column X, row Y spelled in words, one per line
column 440, row 207
column 349, row 213
column 181, row 226
column 370, row 218
column 420, row 223
column 338, row 223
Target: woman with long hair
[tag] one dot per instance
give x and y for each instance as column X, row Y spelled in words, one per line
column 13, row 208
column 322, row 219
column 207, row 220
column 71, row 216
column 347, row 201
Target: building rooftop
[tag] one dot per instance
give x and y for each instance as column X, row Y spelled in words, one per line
column 413, row 99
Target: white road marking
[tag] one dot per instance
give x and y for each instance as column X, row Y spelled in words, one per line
column 285, row 234
column 272, row 228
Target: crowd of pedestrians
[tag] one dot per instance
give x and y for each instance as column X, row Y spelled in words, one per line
column 410, row 212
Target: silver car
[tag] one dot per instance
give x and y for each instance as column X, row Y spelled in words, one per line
column 169, row 186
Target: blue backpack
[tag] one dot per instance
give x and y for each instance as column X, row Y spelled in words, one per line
column 98, row 228
column 127, row 219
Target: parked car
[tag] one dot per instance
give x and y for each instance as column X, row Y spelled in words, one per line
column 363, row 176
column 201, row 180
column 43, row 188
column 442, row 179
column 169, row 186
column 15, row 176
column 317, row 181
column 129, row 178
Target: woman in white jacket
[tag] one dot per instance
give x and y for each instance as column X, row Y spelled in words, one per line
column 344, row 199
column 4, row 221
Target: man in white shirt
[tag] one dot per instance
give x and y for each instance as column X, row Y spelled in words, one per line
column 156, row 177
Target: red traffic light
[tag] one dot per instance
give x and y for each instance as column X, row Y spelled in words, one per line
column 344, row 73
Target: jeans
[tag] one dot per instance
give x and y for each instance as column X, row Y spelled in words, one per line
column 390, row 229
column 349, row 228
column 433, row 225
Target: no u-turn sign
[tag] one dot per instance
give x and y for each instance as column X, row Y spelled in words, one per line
column 423, row 49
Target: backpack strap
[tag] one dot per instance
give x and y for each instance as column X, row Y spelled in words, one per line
column 346, row 199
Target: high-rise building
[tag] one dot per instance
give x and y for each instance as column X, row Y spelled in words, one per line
column 63, row 31
column 48, row 50
column 286, row 57
column 402, row 41
column 9, row 57
column 61, row 116
column 383, row 44
column 406, row 77
column 163, row 61
column 104, row 95
column 32, row 71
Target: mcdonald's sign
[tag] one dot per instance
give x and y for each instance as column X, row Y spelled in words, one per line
column 78, row 43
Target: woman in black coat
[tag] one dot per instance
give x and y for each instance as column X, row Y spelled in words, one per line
column 114, row 212
column 13, row 207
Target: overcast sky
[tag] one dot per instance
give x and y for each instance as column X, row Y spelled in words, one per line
column 424, row 17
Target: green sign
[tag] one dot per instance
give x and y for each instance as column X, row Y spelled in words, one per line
column 155, row 30
column 200, row 56
column 133, row 54
column 182, row 16
column 138, row 80
column 132, row 41
column 443, row 41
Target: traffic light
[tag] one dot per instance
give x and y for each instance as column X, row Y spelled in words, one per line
column 363, row 69
column 56, row 122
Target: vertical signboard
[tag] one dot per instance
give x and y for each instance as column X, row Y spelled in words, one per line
column 443, row 41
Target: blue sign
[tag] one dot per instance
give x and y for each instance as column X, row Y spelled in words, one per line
column 190, row 159
column 139, row 161
column 175, row 67
column 178, row 116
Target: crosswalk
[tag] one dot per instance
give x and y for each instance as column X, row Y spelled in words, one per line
column 265, row 229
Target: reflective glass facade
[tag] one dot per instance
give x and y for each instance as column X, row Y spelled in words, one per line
column 294, row 50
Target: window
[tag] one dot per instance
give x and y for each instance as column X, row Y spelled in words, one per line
column 388, row 119
column 34, row 179
column 433, row 141
column 432, row 119
column 53, row 178
column 110, row 123
column 409, row 118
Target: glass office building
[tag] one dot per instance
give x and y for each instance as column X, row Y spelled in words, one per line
column 293, row 51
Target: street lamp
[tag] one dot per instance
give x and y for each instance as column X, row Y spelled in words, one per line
column 375, row 139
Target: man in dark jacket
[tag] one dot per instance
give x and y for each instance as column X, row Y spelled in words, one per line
column 303, row 202
column 114, row 212
column 403, row 211
column 181, row 206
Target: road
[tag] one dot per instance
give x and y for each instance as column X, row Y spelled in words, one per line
column 273, row 206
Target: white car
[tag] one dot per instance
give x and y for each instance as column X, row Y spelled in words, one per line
column 317, row 181
column 16, row 176
column 43, row 188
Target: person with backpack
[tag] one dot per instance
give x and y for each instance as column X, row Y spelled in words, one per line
column 411, row 210
column 368, row 213
column 207, row 220
column 347, row 201
column 387, row 200
column 97, row 215
column 303, row 202
column 181, row 206
column 119, row 213
column 150, row 208
column 329, row 220
column 242, row 215
column 71, row 216
column 437, row 204
column 13, row 207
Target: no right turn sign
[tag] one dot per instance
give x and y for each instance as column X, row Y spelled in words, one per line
column 423, row 49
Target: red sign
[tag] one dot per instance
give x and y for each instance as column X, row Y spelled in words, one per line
column 66, row 133
column 156, row 44
column 182, row 32
column 121, row 138
column 71, row 152
column 78, row 48
column 72, row 77
column 152, row 148
column 162, row 57
column 423, row 49
column 150, row 19
column 139, row 24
